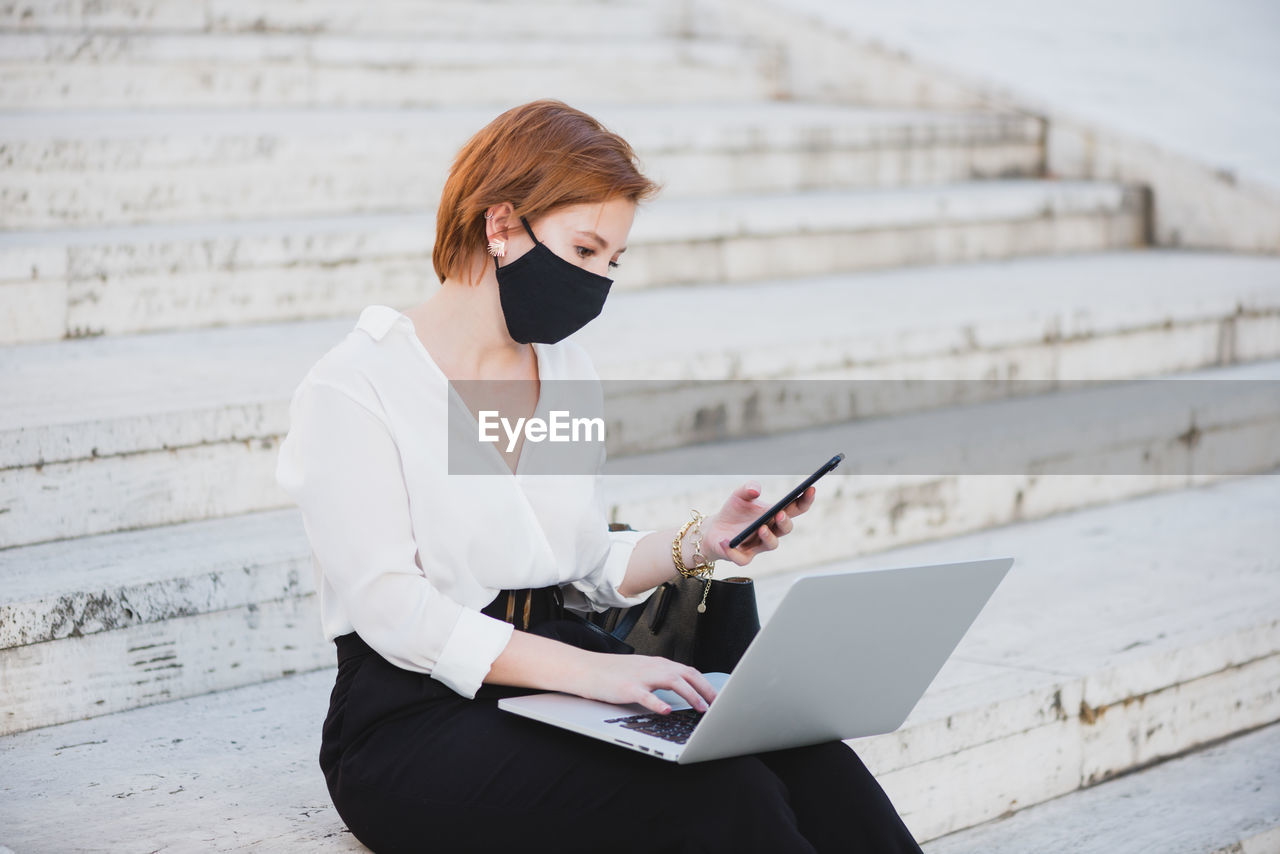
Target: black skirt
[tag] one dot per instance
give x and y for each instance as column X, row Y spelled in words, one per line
column 411, row 765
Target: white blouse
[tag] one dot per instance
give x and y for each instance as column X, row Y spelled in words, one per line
column 405, row 553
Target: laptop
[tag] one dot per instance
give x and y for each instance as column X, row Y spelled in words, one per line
column 845, row 655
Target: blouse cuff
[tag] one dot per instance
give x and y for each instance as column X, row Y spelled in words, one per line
column 604, row 593
column 469, row 653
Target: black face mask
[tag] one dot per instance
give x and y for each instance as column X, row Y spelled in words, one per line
column 544, row 297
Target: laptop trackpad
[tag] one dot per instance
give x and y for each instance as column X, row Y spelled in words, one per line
column 675, row 701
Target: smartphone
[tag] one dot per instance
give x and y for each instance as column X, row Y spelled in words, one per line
column 791, row 496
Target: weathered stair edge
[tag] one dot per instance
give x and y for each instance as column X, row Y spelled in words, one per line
column 132, row 167
column 208, row 70
column 151, row 574
column 250, row 371
column 237, row 562
column 1218, row 799
column 83, row 282
column 561, row 18
column 886, row 509
column 181, row 656
column 1219, row 427
column 1083, row 744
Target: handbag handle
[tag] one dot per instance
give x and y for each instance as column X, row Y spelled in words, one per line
column 629, row 620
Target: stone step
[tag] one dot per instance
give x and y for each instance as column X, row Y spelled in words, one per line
column 1217, row 800
column 250, row 570
column 424, row 18
column 104, row 281
column 118, row 433
column 885, row 506
column 155, row 615
column 1123, row 635
column 1060, row 316
column 117, row 168
column 96, row 70
column 944, row 472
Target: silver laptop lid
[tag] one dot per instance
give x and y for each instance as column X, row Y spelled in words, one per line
column 845, row 655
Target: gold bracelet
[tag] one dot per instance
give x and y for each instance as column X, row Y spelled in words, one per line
column 676, row 557
column 699, row 559
column 701, row 567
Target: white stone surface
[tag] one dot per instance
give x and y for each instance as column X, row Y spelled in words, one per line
column 109, row 138
column 750, row 216
column 1199, row 77
column 1176, row 96
column 237, row 768
column 927, row 317
column 1219, row 800
column 563, row 18
column 937, row 316
column 230, row 770
column 885, row 493
column 115, row 167
column 147, row 663
column 981, row 743
column 74, row 588
column 115, row 433
column 1145, row 436
column 49, row 71
column 151, row 277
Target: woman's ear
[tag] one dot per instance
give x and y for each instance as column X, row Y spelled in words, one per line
column 498, row 221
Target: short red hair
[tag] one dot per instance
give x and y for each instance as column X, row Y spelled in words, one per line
column 538, row 156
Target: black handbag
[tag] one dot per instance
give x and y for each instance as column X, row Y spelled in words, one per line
column 671, row 622
column 541, row 612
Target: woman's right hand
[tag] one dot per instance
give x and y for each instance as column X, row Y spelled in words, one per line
column 633, row 679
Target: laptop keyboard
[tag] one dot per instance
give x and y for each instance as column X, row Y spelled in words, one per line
column 676, row 726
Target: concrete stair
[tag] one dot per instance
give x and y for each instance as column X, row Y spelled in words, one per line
column 206, row 195
column 1218, row 800
column 163, row 611
column 118, row 433
column 1123, row 635
column 142, row 617
column 566, row 18
column 86, row 168
column 52, row 70
column 100, row 281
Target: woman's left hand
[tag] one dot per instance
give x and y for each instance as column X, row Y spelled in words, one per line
column 741, row 510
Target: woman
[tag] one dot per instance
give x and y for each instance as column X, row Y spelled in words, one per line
column 416, row 567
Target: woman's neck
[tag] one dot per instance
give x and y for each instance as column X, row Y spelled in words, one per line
column 464, row 330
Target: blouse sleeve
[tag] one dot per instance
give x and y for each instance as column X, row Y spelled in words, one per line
column 607, row 553
column 599, row 589
column 341, row 465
